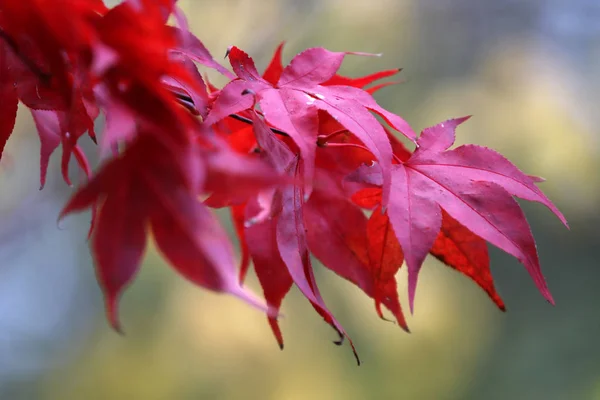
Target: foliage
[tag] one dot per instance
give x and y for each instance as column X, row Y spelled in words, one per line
column 296, row 154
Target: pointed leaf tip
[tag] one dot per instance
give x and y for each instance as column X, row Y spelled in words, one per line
column 548, row 296
column 380, row 312
column 537, row 179
column 358, row 362
column 112, row 313
column 441, row 136
column 275, row 67
column 276, row 331
column 360, row 53
column 412, row 288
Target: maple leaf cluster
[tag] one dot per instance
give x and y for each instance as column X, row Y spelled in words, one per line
column 297, row 154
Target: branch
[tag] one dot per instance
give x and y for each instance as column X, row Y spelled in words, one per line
column 187, row 101
column 249, row 121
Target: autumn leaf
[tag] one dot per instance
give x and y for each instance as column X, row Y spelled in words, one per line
column 461, row 249
column 190, row 46
column 455, row 245
column 362, row 81
column 474, row 185
column 8, row 99
column 275, row 68
column 362, row 252
column 288, row 231
column 155, row 198
column 271, row 270
column 385, row 259
column 291, row 105
column 238, row 217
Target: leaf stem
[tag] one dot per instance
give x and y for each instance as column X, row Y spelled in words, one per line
column 325, row 138
column 355, row 145
column 187, row 102
column 249, row 121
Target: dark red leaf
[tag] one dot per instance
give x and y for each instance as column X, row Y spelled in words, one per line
column 367, row 198
column 362, row 81
column 238, row 216
column 118, row 243
column 385, row 259
column 184, row 230
column 275, row 68
column 475, row 186
column 195, row 244
column 8, row 99
column 339, row 236
column 271, row 271
column 461, row 249
column 380, row 86
column 292, row 244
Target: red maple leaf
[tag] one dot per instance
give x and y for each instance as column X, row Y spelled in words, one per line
column 327, row 225
column 288, row 229
column 135, row 196
column 455, row 245
column 45, row 67
column 466, row 252
column 8, row 99
column 292, row 104
column 359, row 250
column 474, row 185
column 260, row 241
column 127, row 38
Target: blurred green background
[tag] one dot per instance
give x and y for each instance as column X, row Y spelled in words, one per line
column 528, row 73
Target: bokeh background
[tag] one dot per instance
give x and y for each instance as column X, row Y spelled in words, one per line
column 527, row 70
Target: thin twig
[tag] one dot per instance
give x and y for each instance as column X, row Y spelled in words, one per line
column 249, row 121
column 187, row 102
